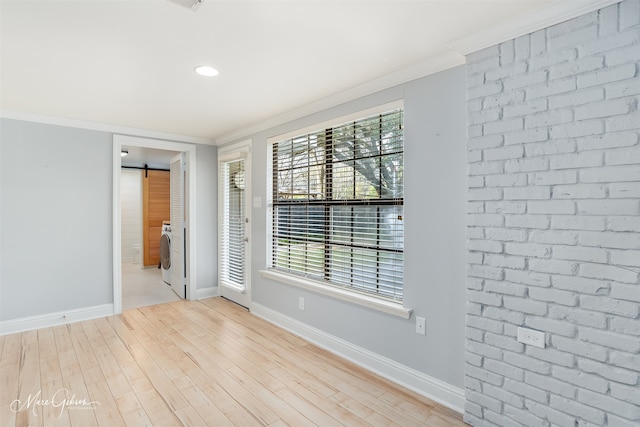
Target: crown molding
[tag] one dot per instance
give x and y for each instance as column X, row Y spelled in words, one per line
column 545, row 16
column 434, row 64
column 103, row 127
column 550, row 14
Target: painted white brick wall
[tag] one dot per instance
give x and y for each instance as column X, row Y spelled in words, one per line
column 554, row 225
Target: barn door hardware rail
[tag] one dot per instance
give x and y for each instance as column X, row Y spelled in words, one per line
column 146, row 169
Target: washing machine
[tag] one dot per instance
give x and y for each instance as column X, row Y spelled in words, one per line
column 165, row 252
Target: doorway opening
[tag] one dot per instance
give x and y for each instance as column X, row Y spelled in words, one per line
column 145, row 200
column 137, row 279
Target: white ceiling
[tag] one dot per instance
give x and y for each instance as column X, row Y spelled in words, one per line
column 130, row 63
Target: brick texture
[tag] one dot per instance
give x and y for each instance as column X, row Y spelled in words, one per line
column 554, row 225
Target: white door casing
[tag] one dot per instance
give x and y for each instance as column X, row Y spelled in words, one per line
column 189, row 151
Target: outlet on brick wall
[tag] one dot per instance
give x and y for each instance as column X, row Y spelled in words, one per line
column 554, row 225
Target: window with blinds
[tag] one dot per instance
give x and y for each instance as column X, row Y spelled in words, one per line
column 337, row 205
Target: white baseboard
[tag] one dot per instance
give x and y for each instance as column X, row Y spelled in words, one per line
column 202, row 293
column 439, row 391
column 54, row 319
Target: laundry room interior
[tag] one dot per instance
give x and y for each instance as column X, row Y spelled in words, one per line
column 145, row 184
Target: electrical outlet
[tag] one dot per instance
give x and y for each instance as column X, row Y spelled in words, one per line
column 301, row 303
column 421, row 326
column 531, row 337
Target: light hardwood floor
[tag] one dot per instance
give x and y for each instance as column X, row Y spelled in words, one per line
column 204, row 363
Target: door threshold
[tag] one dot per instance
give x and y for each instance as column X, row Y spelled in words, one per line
column 233, row 302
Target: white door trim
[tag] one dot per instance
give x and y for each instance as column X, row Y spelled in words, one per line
column 190, row 153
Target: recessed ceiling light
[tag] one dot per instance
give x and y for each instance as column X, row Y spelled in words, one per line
column 207, row 71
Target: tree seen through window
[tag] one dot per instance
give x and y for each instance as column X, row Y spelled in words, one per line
column 338, row 205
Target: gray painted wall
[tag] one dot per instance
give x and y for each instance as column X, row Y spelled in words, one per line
column 435, row 185
column 56, row 218
column 56, row 199
column 554, row 237
column 207, row 215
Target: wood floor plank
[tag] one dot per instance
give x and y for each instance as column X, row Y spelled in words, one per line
column 74, row 384
column 107, row 412
column 286, row 412
column 132, row 411
column 178, row 365
column 50, row 379
column 236, row 389
column 231, row 408
column 156, row 408
column 228, row 341
column 75, row 388
column 29, row 378
column 205, row 408
column 66, row 353
column 189, row 417
column 294, row 378
column 312, row 412
column 408, row 404
column 362, row 411
column 91, row 370
column 343, row 373
column 180, row 371
column 249, row 333
column 9, row 373
column 159, row 379
column 110, row 353
column 197, row 363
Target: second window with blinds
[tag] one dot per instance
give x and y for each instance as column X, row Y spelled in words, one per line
column 337, row 205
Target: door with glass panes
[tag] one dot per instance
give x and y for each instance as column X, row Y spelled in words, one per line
column 234, row 228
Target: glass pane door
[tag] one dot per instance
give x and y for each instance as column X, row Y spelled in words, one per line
column 234, row 223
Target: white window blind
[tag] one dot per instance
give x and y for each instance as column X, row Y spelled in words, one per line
column 337, row 205
column 233, row 226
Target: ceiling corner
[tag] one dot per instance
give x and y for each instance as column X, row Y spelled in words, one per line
column 550, row 14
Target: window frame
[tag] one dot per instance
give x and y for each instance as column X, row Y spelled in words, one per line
column 368, row 299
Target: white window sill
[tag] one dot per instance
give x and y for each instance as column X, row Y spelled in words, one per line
column 345, row 295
